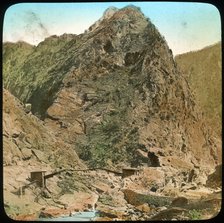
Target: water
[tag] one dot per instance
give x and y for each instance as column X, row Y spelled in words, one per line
column 80, row 216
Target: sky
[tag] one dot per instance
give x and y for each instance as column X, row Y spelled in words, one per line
column 185, row 26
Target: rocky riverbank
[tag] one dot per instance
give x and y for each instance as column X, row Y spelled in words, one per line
column 125, row 202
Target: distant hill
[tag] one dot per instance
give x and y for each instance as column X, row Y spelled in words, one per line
column 203, row 72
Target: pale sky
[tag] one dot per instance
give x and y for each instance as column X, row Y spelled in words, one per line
column 185, row 26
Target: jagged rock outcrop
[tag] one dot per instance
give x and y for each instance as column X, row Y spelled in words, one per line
column 26, row 139
column 113, row 91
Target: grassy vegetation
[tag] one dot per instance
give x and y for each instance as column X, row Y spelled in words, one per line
column 194, row 215
column 72, row 183
column 106, row 199
column 114, row 139
column 203, row 72
column 110, row 143
column 34, row 74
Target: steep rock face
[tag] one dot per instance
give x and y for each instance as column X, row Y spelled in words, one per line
column 127, row 94
column 116, row 89
column 202, row 69
column 27, row 140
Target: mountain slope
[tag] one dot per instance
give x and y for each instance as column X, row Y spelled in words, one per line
column 203, row 72
column 28, row 146
column 114, row 96
column 25, row 137
column 36, row 72
column 115, row 90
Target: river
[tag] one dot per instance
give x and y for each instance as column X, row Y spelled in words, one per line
column 79, row 216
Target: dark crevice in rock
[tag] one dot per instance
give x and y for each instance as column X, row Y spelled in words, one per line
column 42, row 98
column 108, row 47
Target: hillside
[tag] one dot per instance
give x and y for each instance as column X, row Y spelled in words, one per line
column 203, row 72
column 29, row 146
column 25, row 138
column 113, row 98
column 33, row 74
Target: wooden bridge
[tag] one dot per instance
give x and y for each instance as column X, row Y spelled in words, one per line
column 39, row 177
column 84, row 170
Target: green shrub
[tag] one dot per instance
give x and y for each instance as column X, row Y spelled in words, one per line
column 109, row 127
column 106, row 199
column 194, row 215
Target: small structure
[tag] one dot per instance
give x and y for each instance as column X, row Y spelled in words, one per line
column 39, row 177
column 126, row 172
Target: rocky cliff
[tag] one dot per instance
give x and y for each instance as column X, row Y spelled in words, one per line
column 114, row 96
column 27, row 140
